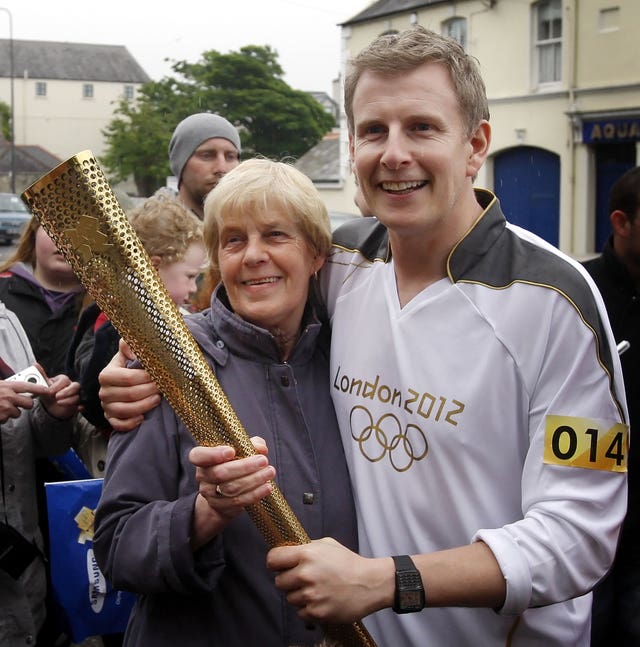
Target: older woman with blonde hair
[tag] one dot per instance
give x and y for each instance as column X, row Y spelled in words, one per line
column 194, row 557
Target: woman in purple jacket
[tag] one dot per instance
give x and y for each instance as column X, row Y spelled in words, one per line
column 196, row 560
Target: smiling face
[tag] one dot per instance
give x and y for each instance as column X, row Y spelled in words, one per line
column 412, row 155
column 265, row 264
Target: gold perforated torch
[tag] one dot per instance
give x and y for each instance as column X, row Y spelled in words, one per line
column 77, row 208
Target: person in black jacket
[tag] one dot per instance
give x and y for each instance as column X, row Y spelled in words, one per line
column 616, row 607
column 41, row 288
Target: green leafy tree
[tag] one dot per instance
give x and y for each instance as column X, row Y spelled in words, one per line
column 5, row 120
column 246, row 87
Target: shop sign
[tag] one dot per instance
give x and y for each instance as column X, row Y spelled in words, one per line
column 611, row 131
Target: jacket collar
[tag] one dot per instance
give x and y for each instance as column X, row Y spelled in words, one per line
column 617, row 268
column 222, row 332
column 482, row 235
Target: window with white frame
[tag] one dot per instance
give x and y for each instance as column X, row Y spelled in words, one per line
column 548, row 41
column 87, row 90
column 456, row 28
column 128, row 92
column 41, row 88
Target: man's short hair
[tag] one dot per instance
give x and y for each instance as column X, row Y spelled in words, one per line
column 625, row 194
column 392, row 54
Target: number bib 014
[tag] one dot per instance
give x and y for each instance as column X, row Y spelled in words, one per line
column 584, row 442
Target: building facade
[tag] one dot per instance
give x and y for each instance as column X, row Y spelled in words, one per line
column 65, row 94
column 563, row 81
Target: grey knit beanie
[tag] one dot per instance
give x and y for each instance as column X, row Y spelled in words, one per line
column 194, row 130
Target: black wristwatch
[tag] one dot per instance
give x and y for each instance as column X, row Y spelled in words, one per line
column 409, row 596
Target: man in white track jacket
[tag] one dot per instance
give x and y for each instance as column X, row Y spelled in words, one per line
column 476, row 384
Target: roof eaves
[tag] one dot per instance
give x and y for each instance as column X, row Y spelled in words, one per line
column 384, row 8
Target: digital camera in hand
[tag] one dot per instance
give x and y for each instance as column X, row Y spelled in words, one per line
column 31, row 374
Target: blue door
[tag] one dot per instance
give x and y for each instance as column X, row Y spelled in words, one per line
column 612, row 160
column 527, row 183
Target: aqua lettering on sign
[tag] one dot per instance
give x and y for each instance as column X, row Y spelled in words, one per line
column 608, row 131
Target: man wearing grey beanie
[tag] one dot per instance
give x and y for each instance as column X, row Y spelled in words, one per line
column 203, row 148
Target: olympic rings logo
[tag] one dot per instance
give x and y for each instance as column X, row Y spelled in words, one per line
column 387, row 438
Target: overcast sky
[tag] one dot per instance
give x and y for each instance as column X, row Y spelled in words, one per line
column 303, row 32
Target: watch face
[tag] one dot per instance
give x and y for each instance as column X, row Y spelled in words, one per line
column 411, row 599
column 409, row 596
